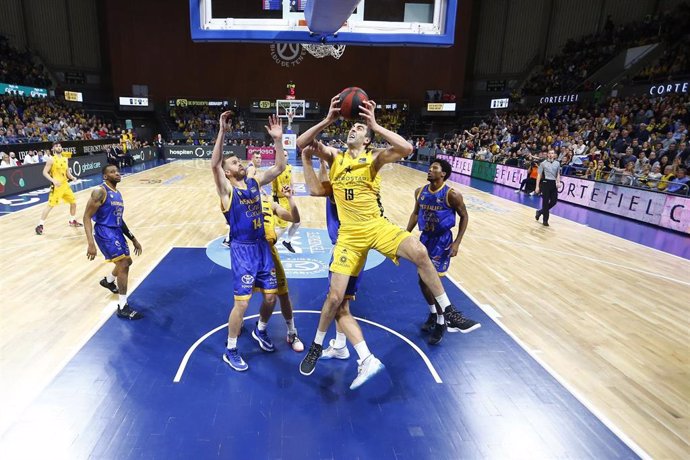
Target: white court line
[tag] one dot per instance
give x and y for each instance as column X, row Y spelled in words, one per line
column 536, row 247
column 534, row 354
column 185, row 359
column 105, row 315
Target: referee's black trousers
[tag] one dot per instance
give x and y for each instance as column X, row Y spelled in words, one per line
column 549, row 197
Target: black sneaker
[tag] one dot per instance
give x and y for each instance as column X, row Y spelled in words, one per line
column 109, row 286
column 546, row 224
column 537, row 215
column 288, row 245
column 456, row 322
column 308, row 364
column 429, row 323
column 127, row 313
column 437, row 334
column 39, row 230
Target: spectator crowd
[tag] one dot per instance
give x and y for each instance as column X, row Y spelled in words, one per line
column 636, row 141
column 581, row 57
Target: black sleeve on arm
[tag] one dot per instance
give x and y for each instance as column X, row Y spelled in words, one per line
column 126, row 231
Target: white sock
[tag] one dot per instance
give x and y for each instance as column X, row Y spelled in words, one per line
column 291, row 232
column 339, row 340
column 232, row 343
column 109, row 277
column 291, row 326
column 432, row 308
column 41, row 222
column 443, row 301
column 362, row 350
column 123, row 300
column 440, row 319
column 262, row 326
column 319, row 337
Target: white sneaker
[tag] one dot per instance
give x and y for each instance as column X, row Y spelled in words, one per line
column 365, row 370
column 518, row 191
column 335, row 353
column 295, row 342
column 532, row 193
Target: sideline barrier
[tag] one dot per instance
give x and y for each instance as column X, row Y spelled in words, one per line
column 656, row 208
column 77, row 148
column 192, row 152
column 25, row 178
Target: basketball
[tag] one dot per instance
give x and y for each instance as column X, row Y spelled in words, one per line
column 350, row 100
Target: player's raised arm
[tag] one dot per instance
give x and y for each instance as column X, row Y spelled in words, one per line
column 316, row 186
column 399, row 147
column 293, row 214
column 217, row 157
column 275, row 130
column 309, row 136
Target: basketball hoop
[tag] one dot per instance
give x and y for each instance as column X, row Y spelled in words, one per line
column 290, row 114
column 321, row 51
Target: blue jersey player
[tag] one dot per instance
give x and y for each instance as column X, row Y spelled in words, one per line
column 436, row 206
column 252, row 264
column 106, row 208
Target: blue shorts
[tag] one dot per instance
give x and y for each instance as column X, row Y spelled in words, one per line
column 438, row 247
column 352, row 284
column 253, row 268
column 111, row 241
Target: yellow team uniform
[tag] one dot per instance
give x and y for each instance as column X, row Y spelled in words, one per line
column 362, row 225
column 277, row 185
column 269, row 228
column 58, row 171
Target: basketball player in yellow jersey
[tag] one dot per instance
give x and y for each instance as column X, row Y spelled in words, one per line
column 362, row 227
column 272, row 211
column 57, row 172
column 279, row 185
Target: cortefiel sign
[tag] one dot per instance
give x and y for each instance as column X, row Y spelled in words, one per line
column 668, row 88
column 656, row 208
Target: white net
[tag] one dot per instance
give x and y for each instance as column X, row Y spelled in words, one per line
column 290, row 114
column 321, row 51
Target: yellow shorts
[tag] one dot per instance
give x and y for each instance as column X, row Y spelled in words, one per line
column 285, row 204
column 355, row 241
column 63, row 192
column 280, row 272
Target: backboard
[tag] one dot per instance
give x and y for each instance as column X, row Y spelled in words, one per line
column 374, row 22
column 282, row 105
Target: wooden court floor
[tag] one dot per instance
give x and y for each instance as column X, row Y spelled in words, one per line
column 605, row 315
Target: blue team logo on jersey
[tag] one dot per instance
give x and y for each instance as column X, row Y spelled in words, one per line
column 311, row 258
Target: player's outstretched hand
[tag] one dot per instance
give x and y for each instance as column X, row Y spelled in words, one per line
column 225, row 120
column 275, row 128
column 366, row 111
column 334, row 110
column 287, row 191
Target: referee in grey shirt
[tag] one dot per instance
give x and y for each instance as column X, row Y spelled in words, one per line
column 548, row 177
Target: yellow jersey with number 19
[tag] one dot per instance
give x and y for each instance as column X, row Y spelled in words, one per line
column 355, row 188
